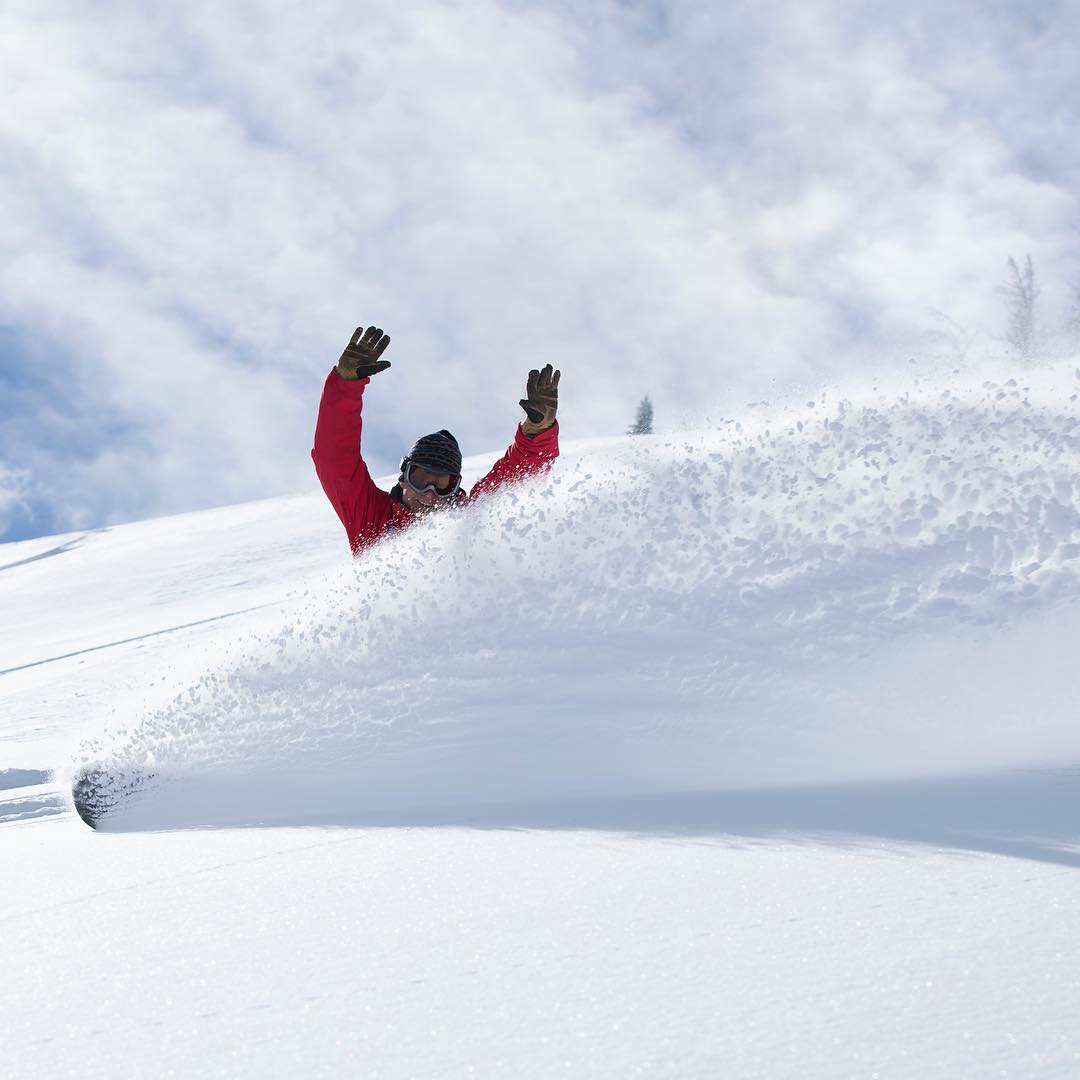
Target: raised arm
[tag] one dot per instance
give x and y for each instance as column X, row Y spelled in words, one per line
column 362, row 507
column 536, row 441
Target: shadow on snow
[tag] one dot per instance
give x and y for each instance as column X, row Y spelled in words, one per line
column 1030, row 815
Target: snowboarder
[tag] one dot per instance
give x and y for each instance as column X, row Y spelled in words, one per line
column 430, row 477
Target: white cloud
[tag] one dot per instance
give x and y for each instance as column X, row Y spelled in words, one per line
column 13, row 492
column 684, row 200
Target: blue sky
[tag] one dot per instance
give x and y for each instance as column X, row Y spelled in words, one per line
column 706, row 203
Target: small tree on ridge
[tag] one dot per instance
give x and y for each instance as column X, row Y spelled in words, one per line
column 642, row 424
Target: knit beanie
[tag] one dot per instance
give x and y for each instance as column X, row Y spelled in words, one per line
column 438, row 453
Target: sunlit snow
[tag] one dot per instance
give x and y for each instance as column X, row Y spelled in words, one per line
column 743, row 751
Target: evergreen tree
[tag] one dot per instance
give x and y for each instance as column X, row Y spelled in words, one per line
column 642, row 424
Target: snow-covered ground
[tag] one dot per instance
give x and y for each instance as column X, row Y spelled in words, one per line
column 747, row 752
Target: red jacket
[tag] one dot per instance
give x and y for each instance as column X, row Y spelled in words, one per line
column 367, row 512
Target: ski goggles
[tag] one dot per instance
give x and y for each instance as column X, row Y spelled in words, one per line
column 407, row 471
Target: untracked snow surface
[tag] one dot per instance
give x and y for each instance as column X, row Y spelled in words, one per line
column 742, row 752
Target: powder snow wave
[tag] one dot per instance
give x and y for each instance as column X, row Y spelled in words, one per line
column 866, row 587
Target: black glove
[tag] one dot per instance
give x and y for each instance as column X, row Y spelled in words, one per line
column 541, row 401
column 360, row 360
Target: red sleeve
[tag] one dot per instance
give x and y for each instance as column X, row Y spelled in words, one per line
column 523, row 457
column 363, row 508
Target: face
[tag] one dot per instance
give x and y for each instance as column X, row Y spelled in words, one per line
column 420, row 502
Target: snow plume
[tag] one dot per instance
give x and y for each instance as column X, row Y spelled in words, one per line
column 861, row 588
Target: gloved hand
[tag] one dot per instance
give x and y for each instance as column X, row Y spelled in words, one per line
column 360, row 360
column 541, row 401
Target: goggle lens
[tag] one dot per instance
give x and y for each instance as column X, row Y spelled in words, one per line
column 420, row 489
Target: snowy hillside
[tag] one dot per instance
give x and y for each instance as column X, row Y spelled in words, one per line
column 749, row 751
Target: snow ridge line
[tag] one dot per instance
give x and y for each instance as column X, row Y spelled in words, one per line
column 137, row 637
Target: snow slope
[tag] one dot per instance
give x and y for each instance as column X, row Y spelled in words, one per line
column 746, row 752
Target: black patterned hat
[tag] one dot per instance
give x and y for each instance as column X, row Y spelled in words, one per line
column 438, row 453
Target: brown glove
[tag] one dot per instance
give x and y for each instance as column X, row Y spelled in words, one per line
column 360, row 360
column 541, row 401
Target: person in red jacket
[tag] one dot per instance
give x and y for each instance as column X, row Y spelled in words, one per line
column 431, row 472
